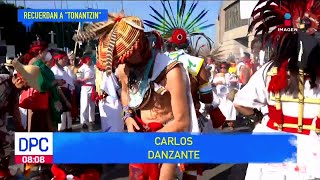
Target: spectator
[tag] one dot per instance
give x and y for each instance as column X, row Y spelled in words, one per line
column 219, row 78
column 211, row 67
column 244, row 69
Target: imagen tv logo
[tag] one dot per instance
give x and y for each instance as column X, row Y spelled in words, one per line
column 288, row 24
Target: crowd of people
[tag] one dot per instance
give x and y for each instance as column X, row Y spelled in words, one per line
column 130, row 84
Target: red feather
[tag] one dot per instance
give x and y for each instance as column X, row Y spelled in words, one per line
column 58, row 173
column 279, row 81
column 267, row 18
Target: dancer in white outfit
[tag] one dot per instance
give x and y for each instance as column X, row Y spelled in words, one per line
column 60, row 59
column 111, row 108
column 87, row 95
column 288, row 86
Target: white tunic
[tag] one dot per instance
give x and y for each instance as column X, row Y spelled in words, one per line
column 111, row 108
column 87, row 106
column 87, row 72
column 255, row 95
column 63, row 74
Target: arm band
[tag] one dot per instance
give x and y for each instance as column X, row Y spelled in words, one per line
column 127, row 112
column 205, row 88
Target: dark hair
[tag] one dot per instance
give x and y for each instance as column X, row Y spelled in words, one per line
column 246, row 54
column 173, row 47
column 35, row 47
column 289, row 50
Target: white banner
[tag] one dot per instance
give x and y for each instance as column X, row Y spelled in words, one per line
column 246, row 8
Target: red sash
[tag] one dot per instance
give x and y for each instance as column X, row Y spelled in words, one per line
column 145, row 171
column 276, row 116
column 93, row 92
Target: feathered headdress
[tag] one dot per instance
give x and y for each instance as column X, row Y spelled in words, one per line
column 119, row 37
column 215, row 52
column 178, row 27
column 292, row 27
column 279, row 20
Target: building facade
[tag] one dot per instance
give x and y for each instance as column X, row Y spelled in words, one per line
column 231, row 30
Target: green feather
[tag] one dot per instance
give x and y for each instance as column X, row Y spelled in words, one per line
column 160, row 16
column 181, row 20
column 197, row 19
column 175, row 20
column 167, row 13
column 191, row 9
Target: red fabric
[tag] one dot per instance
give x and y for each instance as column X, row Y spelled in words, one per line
column 58, row 173
column 277, row 115
column 118, row 19
column 179, row 36
column 217, row 117
column 85, row 59
column 89, row 174
column 4, row 173
column 274, row 117
column 150, row 127
column 318, row 123
column 145, row 171
column 59, row 56
column 33, row 99
column 93, row 92
column 280, row 81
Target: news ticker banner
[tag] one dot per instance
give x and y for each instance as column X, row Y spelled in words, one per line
column 29, row 16
column 87, row 148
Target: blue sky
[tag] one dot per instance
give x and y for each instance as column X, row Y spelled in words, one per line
column 137, row 8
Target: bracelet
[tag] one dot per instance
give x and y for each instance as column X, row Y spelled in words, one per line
column 126, row 116
column 128, row 112
column 127, row 109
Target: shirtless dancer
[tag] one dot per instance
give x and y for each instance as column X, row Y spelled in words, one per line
column 201, row 88
column 164, row 107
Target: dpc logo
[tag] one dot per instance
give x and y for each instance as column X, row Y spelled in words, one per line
column 33, row 147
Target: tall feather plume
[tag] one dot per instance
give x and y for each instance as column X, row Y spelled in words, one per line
column 215, row 52
column 181, row 10
column 181, row 20
column 268, row 16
